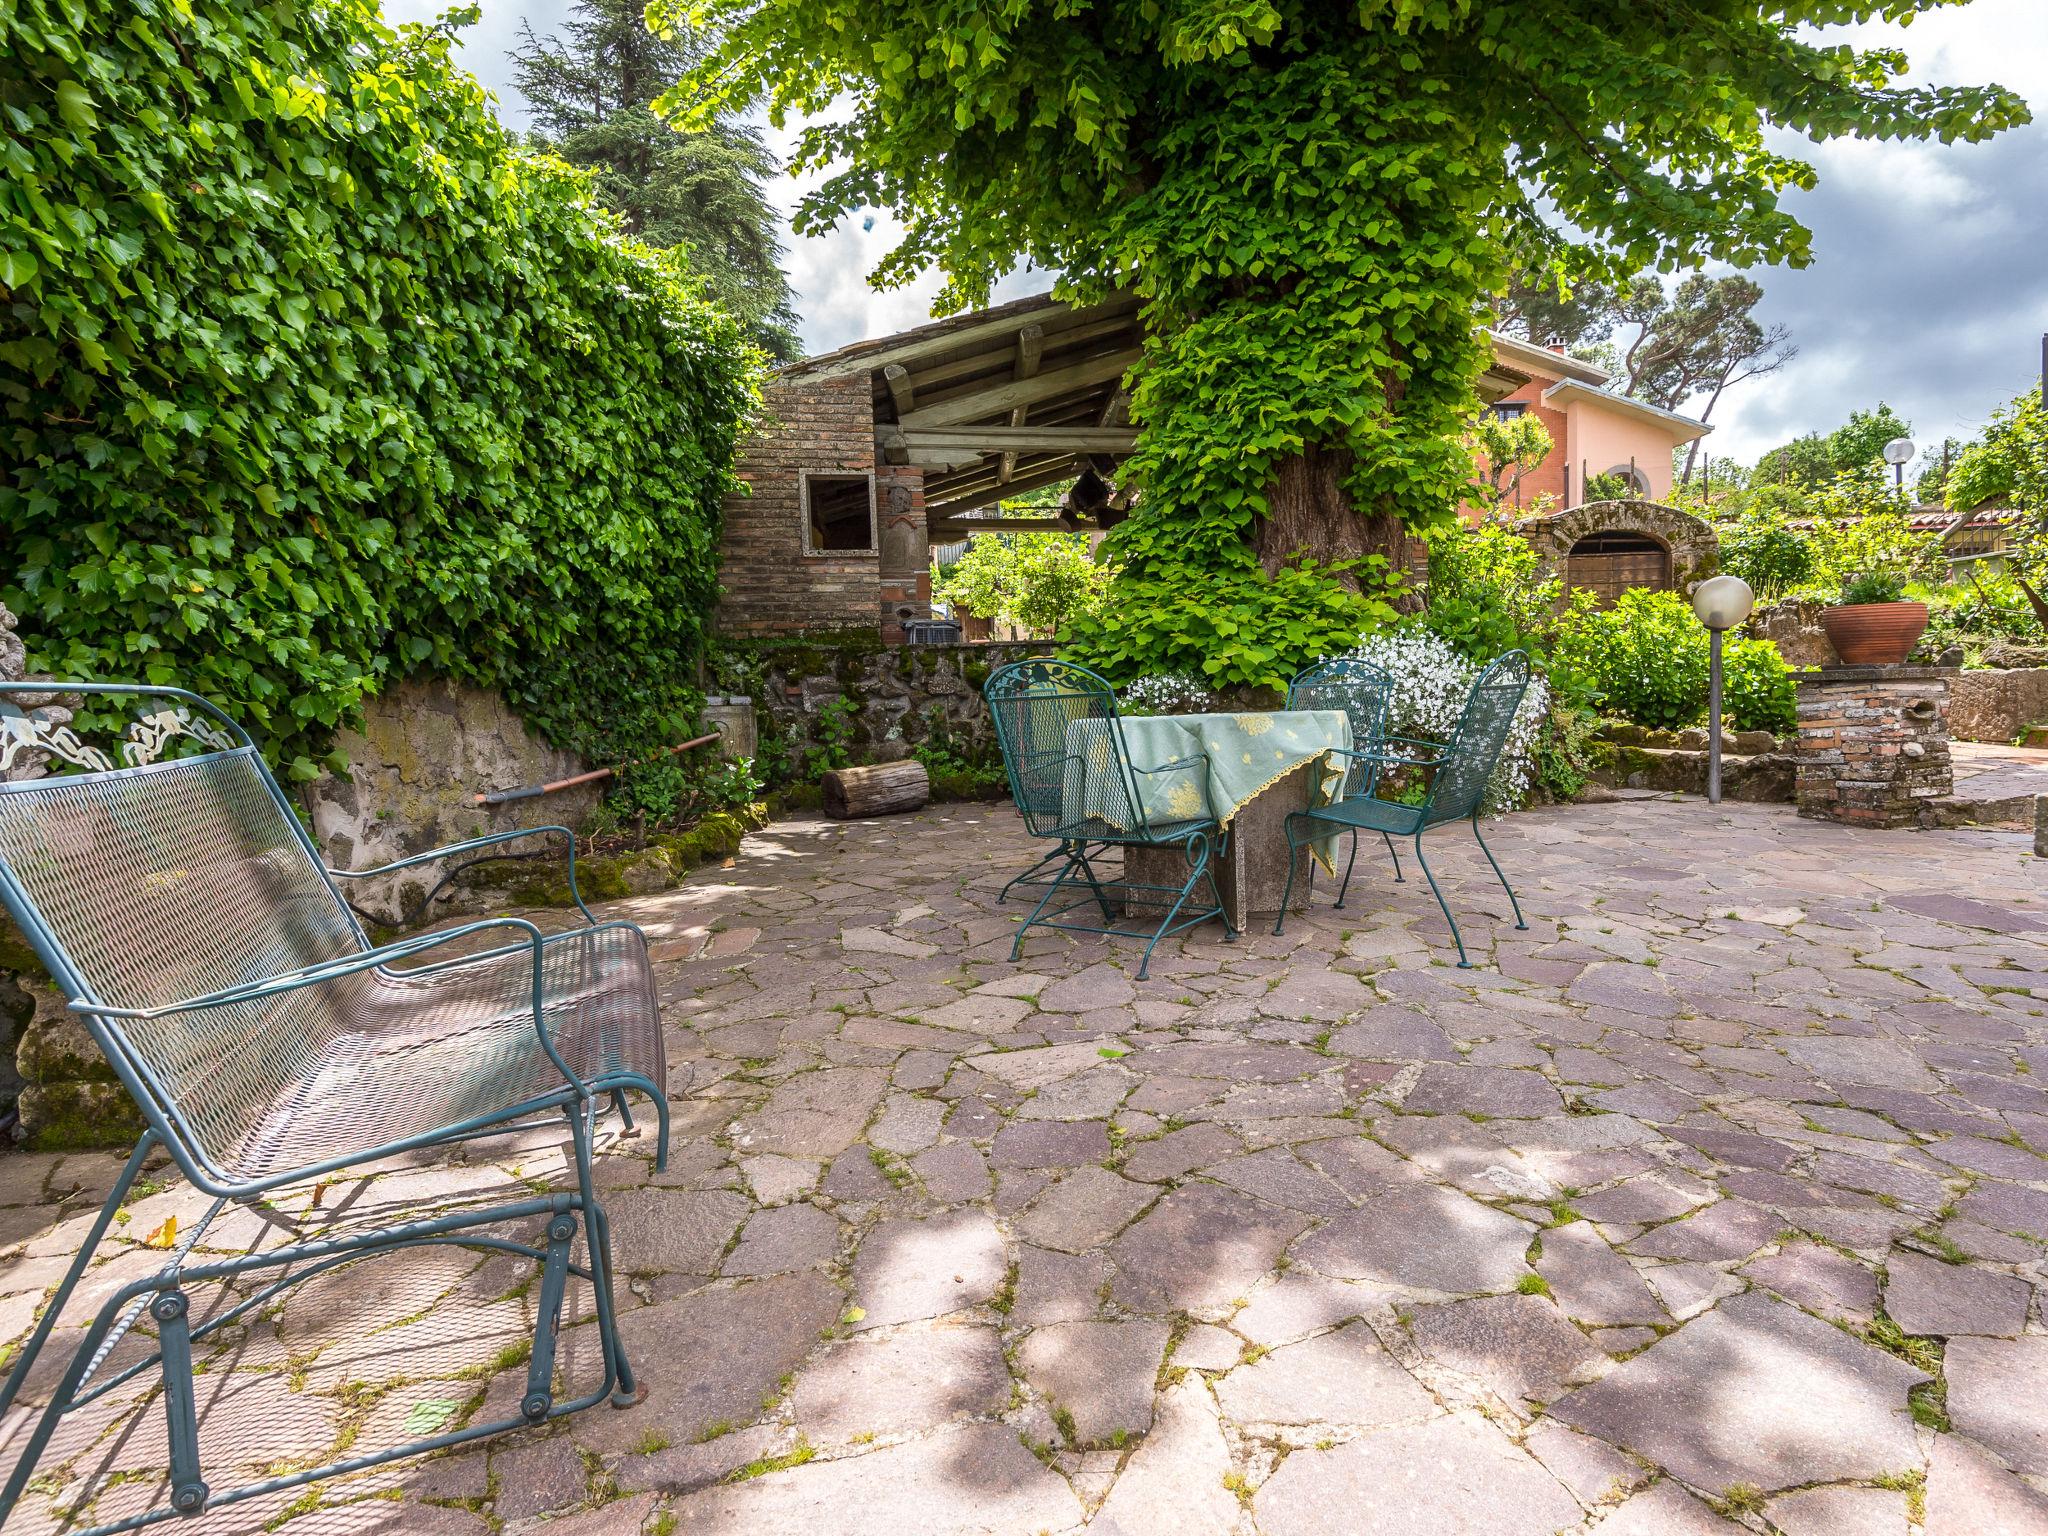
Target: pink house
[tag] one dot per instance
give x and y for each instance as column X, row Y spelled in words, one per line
column 1595, row 430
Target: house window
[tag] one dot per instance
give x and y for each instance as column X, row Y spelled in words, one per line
column 1508, row 410
column 839, row 514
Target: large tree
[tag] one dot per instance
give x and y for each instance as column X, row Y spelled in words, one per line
column 591, row 86
column 1313, row 198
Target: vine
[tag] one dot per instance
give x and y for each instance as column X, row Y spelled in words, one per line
column 312, row 378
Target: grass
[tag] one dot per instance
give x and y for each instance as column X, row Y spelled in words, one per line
column 1063, row 1421
column 1533, row 1285
column 802, row 1452
column 1921, row 1354
column 715, row 1430
column 1913, row 1485
column 1740, row 1499
column 1237, row 1484
column 1928, row 1403
column 1563, row 1213
column 652, row 1441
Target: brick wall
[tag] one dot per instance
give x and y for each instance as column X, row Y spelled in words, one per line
column 771, row 586
column 1873, row 744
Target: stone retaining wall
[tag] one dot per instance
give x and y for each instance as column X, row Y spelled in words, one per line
column 900, row 695
column 1997, row 706
column 426, row 748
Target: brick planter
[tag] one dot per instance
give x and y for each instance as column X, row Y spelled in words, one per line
column 1873, row 744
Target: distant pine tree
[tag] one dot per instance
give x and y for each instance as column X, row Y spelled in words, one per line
column 589, row 87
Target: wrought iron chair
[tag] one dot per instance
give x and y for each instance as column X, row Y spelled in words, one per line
column 1072, row 777
column 1362, row 691
column 184, row 911
column 1458, row 771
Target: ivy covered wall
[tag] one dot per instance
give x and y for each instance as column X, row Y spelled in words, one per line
column 310, row 379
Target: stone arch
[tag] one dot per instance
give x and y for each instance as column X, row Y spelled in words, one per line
column 1693, row 548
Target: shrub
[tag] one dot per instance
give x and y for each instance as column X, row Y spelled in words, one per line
column 312, row 378
column 1757, row 692
column 1883, row 586
column 1646, row 656
column 1234, row 627
column 1431, row 682
column 1169, row 693
column 1771, row 556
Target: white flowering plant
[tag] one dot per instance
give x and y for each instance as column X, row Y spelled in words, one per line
column 1431, row 681
column 1169, row 693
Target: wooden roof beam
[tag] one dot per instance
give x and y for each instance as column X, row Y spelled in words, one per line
column 1030, row 353
column 1004, row 398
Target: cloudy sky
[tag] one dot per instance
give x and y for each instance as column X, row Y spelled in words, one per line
column 1929, row 287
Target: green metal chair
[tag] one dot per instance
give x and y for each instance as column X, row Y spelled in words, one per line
column 180, row 905
column 1362, row 691
column 1051, row 717
column 1458, row 772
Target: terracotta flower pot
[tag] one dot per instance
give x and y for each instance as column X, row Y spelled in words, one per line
column 1874, row 634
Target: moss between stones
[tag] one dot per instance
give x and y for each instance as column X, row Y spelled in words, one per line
column 608, row 877
column 78, row 1117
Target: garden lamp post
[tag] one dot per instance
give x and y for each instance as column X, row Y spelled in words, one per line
column 1899, row 453
column 1722, row 602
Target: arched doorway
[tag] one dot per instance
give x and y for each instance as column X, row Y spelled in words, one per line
column 1609, row 563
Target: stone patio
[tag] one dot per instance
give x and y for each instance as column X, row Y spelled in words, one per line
column 1712, row 1201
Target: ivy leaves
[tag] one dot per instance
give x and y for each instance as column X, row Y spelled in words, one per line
column 311, row 378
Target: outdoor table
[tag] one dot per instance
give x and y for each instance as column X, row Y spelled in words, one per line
column 1261, row 766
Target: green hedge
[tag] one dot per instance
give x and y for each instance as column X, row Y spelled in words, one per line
column 311, row 378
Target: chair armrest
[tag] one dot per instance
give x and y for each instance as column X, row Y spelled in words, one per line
column 1389, row 757
column 350, row 965
column 471, row 846
column 1177, row 764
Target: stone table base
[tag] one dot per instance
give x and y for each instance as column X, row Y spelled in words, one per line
column 1253, row 870
column 1873, row 744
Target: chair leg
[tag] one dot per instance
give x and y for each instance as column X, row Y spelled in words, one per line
column 1057, row 853
column 1058, row 880
column 598, row 1239
column 1350, row 864
column 1195, row 872
column 1095, row 885
column 1503, row 879
column 1392, row 852
column 625, row 1113
column 1437, row 891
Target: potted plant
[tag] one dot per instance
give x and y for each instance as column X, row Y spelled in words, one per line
column 1872, row 626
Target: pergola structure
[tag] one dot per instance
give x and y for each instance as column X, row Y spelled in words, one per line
column 1007, row 400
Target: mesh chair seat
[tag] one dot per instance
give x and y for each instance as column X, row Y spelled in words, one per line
column 1094, row 829
column 407, row 1055
column 1362, row 811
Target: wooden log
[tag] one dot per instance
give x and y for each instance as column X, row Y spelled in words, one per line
column 882, row 789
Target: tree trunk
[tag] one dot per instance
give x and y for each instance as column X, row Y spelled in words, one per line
column 1308, row 511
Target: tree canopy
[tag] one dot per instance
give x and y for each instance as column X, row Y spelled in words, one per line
column 1314, row 201
column 591, row 86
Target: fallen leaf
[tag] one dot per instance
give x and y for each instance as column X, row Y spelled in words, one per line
column 165, row 1236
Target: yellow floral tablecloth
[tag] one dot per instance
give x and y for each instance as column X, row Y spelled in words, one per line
column 1247, row 753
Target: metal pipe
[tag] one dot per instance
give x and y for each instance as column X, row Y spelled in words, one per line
column 1714, row 719
column 531, row 791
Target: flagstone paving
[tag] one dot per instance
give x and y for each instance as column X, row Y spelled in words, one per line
column 1716, row 1199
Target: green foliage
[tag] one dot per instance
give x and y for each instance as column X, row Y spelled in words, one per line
column 1757, row 692
column 1646, row 656
column 1488, row 594
column 1504, row 448
column 1647, row 660
column 1236, row 627
column 1313, row 201
column 1877, row 586
column 591, row 88
column 2009, row 464
column 835, row 737
column 1857, row 445
column 669, row 791
column 312, row 379
column 1772, row 557
column 1981, row 610
column 1609, row 487
column 1040, row 582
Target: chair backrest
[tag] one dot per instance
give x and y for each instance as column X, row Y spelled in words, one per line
column 1046, row 712
column 1458, row 788
column 1363, row 691
column 142, row 879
